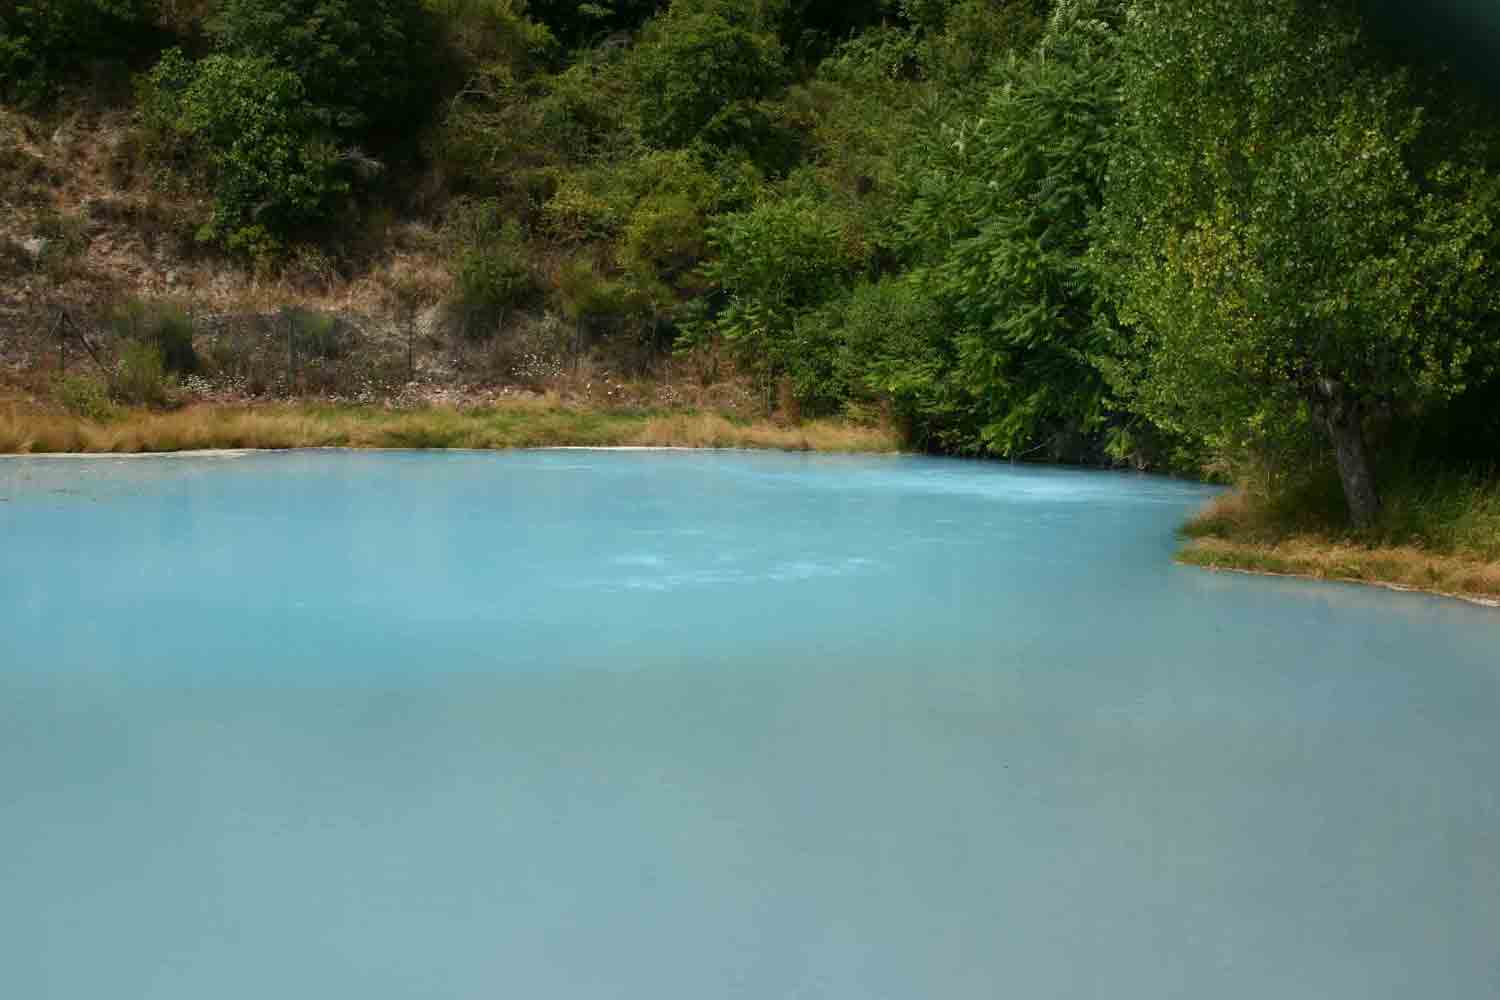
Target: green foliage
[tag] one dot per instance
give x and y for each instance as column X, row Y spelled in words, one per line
column 494, row 133
column 665, row 231
column 247, row 124
column 164, row 327
column 600, row 202
column 140, row 378
column 963, row 38
column 665, row 235
column 986, row 344
column 490, row 282
column 578, row 23
column 1144, row 231
column 482, row 34
column 1274, row 241
column 44, row 43
column 701, row 67
column 590, row 296
column 775, row 261
column 874, row 57
column 84, row 396
column 314, row 335
column 580, row 112
column 362, row 64
column 884, row 342
column 1000, row 216
column 490, row 273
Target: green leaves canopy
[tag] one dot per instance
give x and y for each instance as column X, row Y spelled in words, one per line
column 1275, row 229
column 249, row 120
column 1002, row 215
column 363, row 63
column 43, row 42
column 699, row 62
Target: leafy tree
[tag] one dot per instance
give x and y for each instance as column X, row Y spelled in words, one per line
column 482, row 34
column 44, row 42
column 962, row 39
column 887, row 343
column 1001, row 212
column 363, row 64
column 700, row 63
column 667, row 230
column 1278, row 237
column 247, row 121
column 810, row 29
column 774, row 262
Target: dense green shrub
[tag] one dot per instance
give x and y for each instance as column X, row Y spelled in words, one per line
column 490, row 281
column 362, row 64
column 490, row 273
column 664, row 237
column 774, row 262
column 698, row 63
column 166, row 327
column 43, row 43
column 84, row 396
column 594, row 298
column 140, row 378
column 246, row 124
column 1000, row 218
column 885, row 342
column 578, row 23
column 971, row 34
column 579, row 109
column 491, row 34
column 874, row 56
column 664, row 232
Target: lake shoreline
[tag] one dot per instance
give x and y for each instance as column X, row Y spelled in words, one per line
column 1434, row 536
column 1392, row 568
column 229, row 430
column 238, row 427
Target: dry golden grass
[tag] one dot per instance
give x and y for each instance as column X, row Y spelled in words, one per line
column 519, row 424
column 1402, row 567
column 711, row 430
column 1451, row 549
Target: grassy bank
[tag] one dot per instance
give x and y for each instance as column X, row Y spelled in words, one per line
column 519, row 424
column 1438, row 534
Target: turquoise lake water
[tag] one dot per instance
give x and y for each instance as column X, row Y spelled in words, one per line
column 685, row 726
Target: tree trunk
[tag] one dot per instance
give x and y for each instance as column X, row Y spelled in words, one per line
column 1342, row 419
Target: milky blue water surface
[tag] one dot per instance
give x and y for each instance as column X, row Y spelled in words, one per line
column 685, row 726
